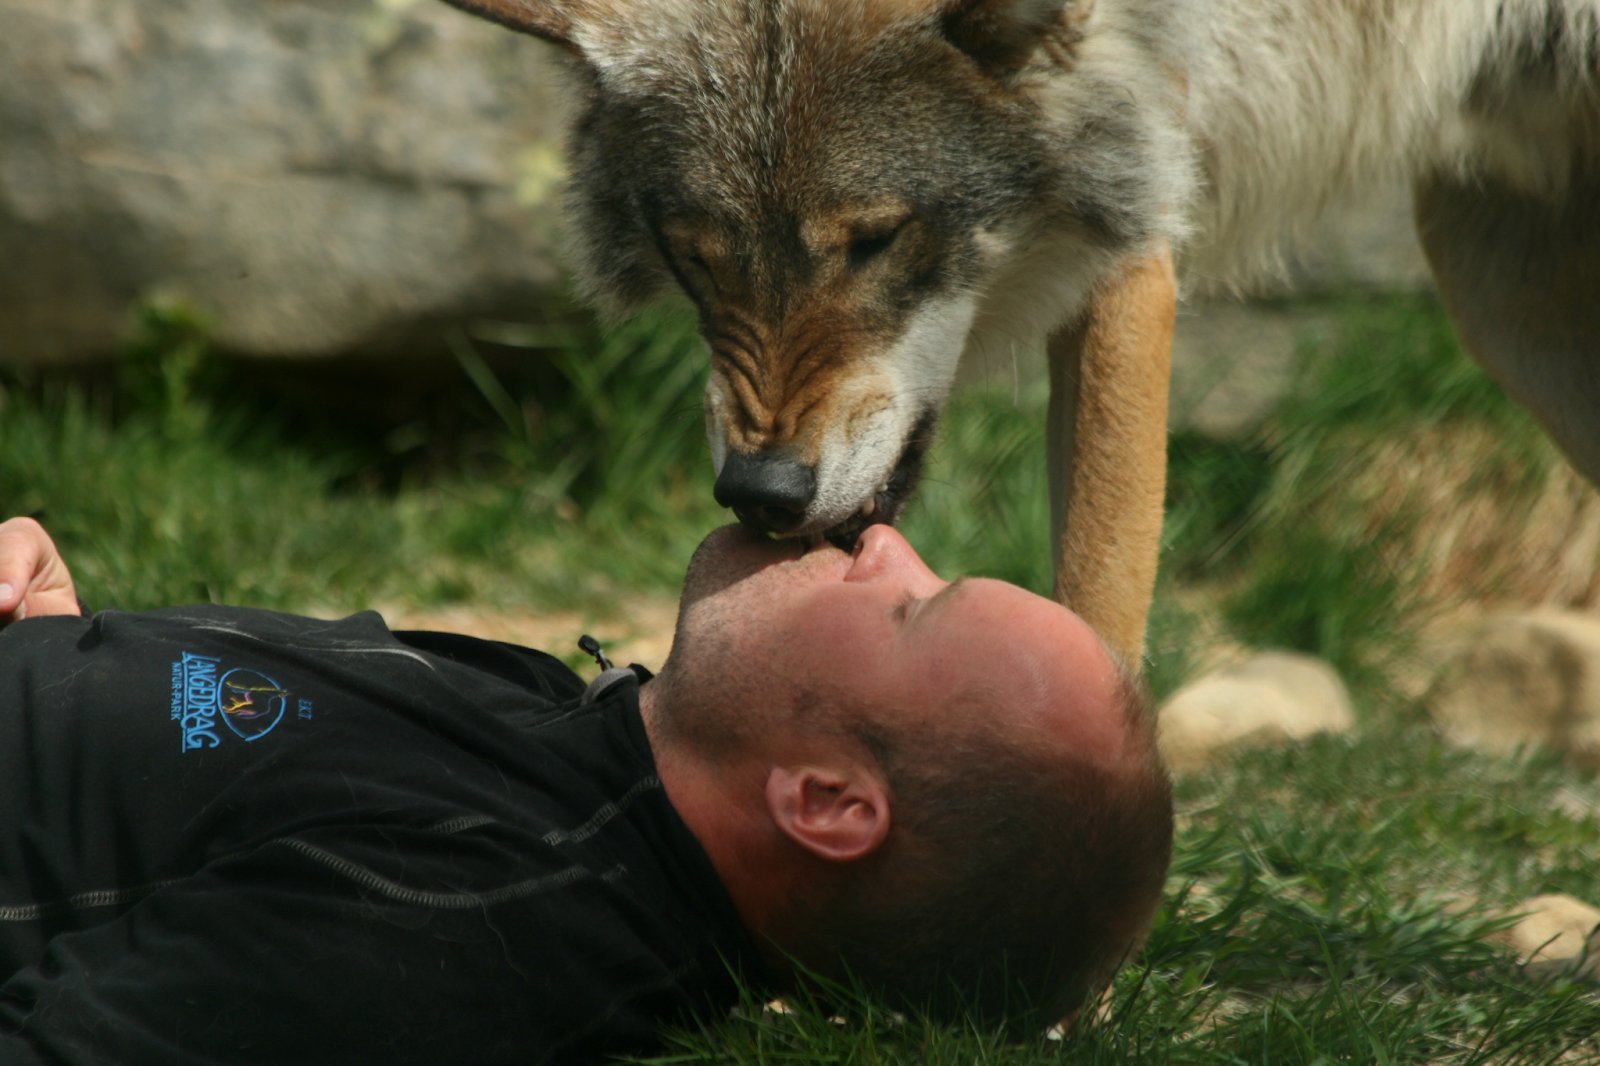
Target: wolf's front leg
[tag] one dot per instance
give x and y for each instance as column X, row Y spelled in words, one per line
column 1107, row 440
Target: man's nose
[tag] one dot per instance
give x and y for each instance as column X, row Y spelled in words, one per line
column 882, row 553
column 769, row 491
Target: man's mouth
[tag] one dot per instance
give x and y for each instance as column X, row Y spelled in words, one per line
column 883, row 507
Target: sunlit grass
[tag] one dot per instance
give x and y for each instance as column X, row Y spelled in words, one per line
column 1331, row 903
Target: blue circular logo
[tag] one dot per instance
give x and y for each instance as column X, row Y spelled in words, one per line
column 251, row 702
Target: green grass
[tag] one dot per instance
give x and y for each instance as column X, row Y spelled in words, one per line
column 984, row 505
column 1329, row 903
column 172, row 489
column 1280, row 523
column 1316, row 909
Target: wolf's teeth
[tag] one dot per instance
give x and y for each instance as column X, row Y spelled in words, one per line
column 870, row 506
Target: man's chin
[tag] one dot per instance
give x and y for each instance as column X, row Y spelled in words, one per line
column 735, row 542
column 733, row 553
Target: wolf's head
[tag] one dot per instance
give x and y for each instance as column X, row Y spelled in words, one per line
column 847, row 190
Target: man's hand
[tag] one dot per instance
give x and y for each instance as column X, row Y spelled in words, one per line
column 33, row 580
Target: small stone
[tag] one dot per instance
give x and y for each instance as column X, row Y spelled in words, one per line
column 1274, row 697
column 1558, row 935
column 1524, row 680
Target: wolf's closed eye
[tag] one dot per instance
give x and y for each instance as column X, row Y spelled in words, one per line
column 866, row 247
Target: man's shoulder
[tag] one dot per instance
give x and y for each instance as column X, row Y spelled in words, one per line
column 530, row 668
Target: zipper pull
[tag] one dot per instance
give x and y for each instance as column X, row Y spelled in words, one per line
column 589, row 646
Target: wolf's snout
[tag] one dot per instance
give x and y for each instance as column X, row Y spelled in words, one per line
column 768, row 492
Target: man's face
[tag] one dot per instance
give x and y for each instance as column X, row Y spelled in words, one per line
column 763, row 623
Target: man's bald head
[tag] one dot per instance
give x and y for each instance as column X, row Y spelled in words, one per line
column 960, row 797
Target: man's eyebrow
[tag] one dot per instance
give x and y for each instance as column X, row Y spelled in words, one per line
column 913, row 608
column 949, row 592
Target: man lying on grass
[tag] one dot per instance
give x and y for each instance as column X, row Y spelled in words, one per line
column 230, row 835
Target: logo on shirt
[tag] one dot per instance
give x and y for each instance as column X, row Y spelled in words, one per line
column 208, row 699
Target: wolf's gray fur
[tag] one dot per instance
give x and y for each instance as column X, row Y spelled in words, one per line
column 1012, row 153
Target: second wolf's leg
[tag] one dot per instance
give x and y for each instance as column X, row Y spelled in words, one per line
column 1521, row 279
column 1107, row 440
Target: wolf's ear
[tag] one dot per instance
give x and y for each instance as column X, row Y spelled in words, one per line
column 1001, row 34
column 550, row 19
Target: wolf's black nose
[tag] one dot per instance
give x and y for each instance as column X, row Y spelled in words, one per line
column 768, row 492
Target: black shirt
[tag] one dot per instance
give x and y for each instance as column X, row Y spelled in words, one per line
column 240, row 836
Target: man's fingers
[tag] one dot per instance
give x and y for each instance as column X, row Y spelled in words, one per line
column 13, row 590
column 20, row 543
column 53, row 601
column 33, row 579
column 14, row 579
column 13, row 607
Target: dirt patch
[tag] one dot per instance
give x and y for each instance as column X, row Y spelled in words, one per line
column 1478, row 525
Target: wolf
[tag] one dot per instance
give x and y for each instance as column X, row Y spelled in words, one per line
column 856, row 194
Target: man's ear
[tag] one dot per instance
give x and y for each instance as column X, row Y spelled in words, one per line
column 552, row 20
column 836, row 815
column 1001, row 34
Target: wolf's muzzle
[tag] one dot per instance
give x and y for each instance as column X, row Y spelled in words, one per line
column 766, row 490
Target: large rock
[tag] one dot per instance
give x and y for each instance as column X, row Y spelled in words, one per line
column 315, row 176
column 1524, row 680
column 1274, row 697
